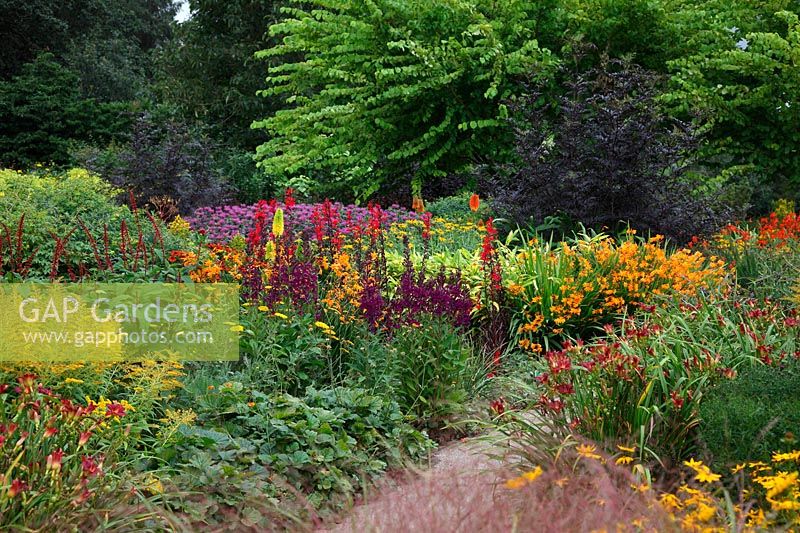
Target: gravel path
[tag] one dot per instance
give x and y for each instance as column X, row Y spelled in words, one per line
column 437, row 499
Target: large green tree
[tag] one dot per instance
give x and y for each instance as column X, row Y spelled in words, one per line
column 210, row 72
column 373, row 90
column 42, row 115
column 106, row 42
column 741, row 76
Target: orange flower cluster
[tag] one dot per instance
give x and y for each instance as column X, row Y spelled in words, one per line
column 344, row 296
column 778, row 230
column 573, row 288
column 219, row 261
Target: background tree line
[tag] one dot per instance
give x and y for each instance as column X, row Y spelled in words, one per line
column 386, row 99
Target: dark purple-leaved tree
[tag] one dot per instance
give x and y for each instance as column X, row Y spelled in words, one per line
column 604, row 154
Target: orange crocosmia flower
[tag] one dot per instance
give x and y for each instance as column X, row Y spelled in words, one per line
column 474, row 202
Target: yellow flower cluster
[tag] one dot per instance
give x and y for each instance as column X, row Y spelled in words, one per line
column 153, row 377
column 102, row 403
column 442, row 230
column 772, row 492
column 179, row 227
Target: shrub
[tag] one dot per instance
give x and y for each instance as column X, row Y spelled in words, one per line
column 740, row 74
column 164, row 158
column 608, row 156
column 42, row 113
column 457, row 207
column 752, row 416
column 383, row 89
column 52, row 203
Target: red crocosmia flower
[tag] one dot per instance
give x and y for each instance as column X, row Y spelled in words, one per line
column 543, row 378
column 474, row 203
column 289, row 200
column 426, row 221
column 54, row 460
column 490, row 375
column 16, row 487
column 3, row 388
column 84, row 437
column 50, row 431
column 115, row 409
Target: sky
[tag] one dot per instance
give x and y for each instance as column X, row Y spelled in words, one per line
column 183, row 10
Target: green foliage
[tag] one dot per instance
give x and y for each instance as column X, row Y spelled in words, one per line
column 377, row 90
column 456, row 207
column 436, row 372
column 52, row 202
column 639, row 29
column 742, row 77
column 285, row 355
column 42, row 113
column 238, row 168
column 752, row 416
column 325, row 442
column 644, row 385
column 105, row 42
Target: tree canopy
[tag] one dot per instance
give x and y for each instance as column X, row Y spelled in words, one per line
column 371, row 91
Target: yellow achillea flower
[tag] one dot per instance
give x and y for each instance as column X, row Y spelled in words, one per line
column 624, row 460
column 626, row 449
column 280, row 315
